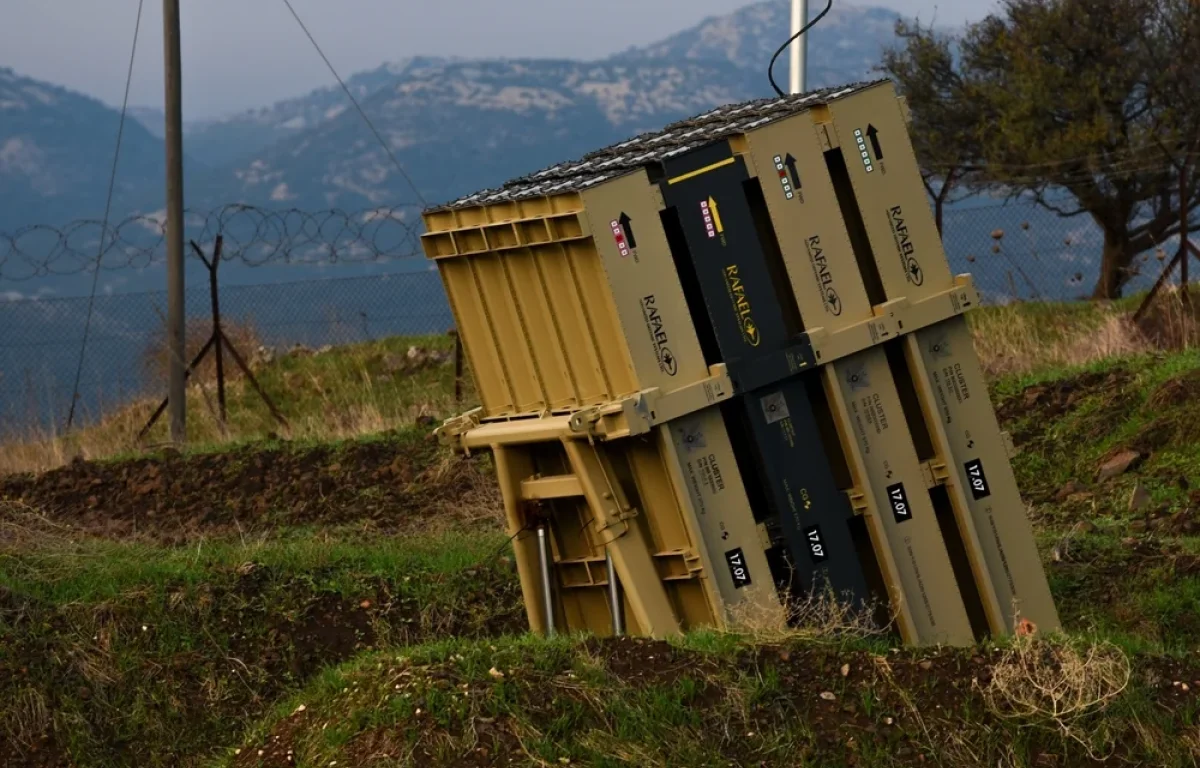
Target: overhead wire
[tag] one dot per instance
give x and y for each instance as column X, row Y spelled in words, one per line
column 362, row 113
column 112, row 182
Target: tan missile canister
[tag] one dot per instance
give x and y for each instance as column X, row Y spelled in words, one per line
column 908, row 259
column 724, row 359
column 564, row 303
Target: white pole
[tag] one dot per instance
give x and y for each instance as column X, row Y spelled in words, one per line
column 799, row 50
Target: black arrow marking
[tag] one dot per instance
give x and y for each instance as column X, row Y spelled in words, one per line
column 873, row 134
column 627, row 225
column 790, row 162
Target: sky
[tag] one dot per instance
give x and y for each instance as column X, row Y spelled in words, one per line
column 240, row 54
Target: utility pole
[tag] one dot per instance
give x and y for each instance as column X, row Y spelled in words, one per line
column 799, row 50
column 176, row 392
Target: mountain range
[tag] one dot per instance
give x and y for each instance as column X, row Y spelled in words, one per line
column 453, row 125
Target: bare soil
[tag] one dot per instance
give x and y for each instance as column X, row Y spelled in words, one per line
column 392, row 485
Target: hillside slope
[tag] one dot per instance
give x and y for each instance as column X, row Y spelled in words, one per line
column 457, row 126
column 56, row 153
column 154, row 607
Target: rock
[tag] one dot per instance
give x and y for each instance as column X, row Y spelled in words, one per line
column 393, row 364
column 1083, row 526
column 926, row 665
column 417, row 356
column 1139, row 499
column 262, row 356
column 845, row 670
column 1070, row 489
column 828, row 695
column 1117, row 465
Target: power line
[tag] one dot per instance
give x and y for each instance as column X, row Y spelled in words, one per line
column 1134, row 152
column 354, row 101
column 112, row 183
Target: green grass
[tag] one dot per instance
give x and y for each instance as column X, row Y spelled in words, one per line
column 1130, row 576
column 575, row 702
column 135, row 654
column 131, row 654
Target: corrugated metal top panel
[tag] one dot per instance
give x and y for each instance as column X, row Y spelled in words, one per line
column 675, row 139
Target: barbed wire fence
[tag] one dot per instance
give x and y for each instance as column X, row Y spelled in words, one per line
column 323, row 278
column 253, row 236
column 292, row 279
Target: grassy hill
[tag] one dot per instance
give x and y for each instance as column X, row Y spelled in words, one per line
column 342, row 594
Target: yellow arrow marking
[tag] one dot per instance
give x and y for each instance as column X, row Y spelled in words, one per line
column 716, row 216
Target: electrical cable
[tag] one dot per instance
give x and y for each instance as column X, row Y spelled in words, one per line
column 792, row 39
column 112, row 182
column 354, row 101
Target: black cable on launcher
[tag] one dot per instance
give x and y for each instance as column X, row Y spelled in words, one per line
column 112, row 181
column 790, row 40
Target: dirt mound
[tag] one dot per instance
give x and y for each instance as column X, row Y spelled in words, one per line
column 610, row 703
column 1180, row 390
column 231, row 650
column 397, row 483
column 1040, row 404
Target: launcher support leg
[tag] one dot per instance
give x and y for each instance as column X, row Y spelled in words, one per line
column 615, row 521
column 512, row 466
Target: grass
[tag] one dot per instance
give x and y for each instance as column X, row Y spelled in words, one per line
column 132, row 654
column 117, row 648
column 342, row 393
column 569, row 701
column 357, row 390
column 1040, row 337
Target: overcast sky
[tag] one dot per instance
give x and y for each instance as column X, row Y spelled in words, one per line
column 246, row 53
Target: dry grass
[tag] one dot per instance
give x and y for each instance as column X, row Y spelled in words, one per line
column 343, row 393
column 818, row 614
column 243, row 335
column 1025, row 338
column 1058, row 686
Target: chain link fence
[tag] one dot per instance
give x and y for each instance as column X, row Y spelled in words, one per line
column 1024, row 252
column 334, row 278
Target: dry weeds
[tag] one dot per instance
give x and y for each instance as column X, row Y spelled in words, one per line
column 1058, row 685
column 817, row 614
column 338, row 396
column 1019, row 339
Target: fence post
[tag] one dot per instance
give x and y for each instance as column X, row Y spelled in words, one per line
column 458, row 366
column 1184, row 215
column 1182, row 255
column 218, row 335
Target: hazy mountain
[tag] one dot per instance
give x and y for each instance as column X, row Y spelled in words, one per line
column 463, row 125
column 454, row 125
column 458, row 125
column 228, row 140
column 56, row 150
column 844, row 46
